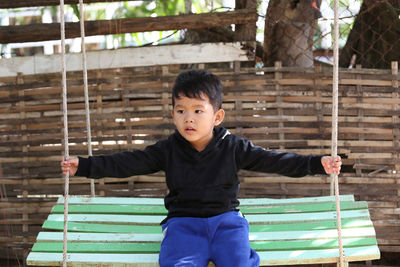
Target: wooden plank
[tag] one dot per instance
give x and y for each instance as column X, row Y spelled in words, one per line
column 160, row 201
column 271, row 218
column 361, row 232
column 312, row 234
column 160, row 210
column 146, row 247
column 127, row 57
column 317, row 256
column 101, row 228
column 347, row 100
column 152, row 229
column 319, row 225
column 293, row 245
column 304, row 217
column 267, row 258
column 366, row 82
column 112, row 200
column 270, row 201
column 111, row 209
column 100, row 237
column 51, row 31
column 93, row 259
column 89, row 247
column 121, row 219
column 29, row 3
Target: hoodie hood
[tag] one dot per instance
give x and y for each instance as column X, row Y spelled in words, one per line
column 219, row 134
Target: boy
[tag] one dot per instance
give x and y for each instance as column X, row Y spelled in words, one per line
column 201, row 161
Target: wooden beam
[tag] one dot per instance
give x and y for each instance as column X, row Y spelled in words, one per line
column 51, row 31
column 128, row 57
column 30, row 3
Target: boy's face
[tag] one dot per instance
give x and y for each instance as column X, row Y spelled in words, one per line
column 195, row 119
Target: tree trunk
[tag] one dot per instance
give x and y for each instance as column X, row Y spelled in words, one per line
column 289, row 30
column 246, row 32
column 374, row 38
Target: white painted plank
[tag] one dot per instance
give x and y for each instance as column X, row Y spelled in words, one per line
column 160, row 201
column 253, row 236
column 126, row 57
column 304, row 217
column 271, row 201
column 98, row 237
column 84, row 259
column 267, row 257
column 318, row 256
column 112, row 200
column 109, row 218
column 312, row 234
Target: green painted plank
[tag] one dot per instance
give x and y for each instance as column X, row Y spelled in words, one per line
column 145, row 260
column 101, row 227
column 160, row 201
column 253, row 236
column 252, row 219
column 83, row 247
column 320, row 225
column 89, row 247
column 124, row 228
column 159, row 210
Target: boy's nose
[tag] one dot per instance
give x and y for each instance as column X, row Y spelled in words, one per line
column 189, row 119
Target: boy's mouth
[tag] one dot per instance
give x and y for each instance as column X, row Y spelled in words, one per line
column 190, row 130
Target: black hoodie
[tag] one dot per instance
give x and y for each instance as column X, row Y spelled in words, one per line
column 205, row 183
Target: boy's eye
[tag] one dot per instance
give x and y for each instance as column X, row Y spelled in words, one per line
column 180, row 111
column 198, row 111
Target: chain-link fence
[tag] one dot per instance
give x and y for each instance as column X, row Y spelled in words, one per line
column 300, row 32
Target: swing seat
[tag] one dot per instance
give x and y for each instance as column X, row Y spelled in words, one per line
column 126, row 231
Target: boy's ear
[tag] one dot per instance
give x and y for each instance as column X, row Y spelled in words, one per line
column 219, row 117
column 172, row 113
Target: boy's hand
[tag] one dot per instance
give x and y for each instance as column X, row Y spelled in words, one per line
column 331, row 165
column 70, row 166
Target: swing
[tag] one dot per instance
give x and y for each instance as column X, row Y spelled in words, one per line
column 108, row 231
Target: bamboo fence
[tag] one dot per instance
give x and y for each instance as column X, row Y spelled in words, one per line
column 278, row 108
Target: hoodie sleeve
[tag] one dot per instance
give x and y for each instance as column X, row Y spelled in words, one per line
column 255, row 158
column 123, row 164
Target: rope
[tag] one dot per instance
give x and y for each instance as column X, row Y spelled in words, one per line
column 65, row 118
column 65, row 114
column 335, row 93
column 85, row 83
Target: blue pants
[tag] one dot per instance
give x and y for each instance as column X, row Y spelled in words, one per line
column 222, row 239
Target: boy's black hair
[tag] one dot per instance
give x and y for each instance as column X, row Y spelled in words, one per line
column 193, row 83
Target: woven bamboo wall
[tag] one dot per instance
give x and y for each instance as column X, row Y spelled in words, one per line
column 282, row 108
